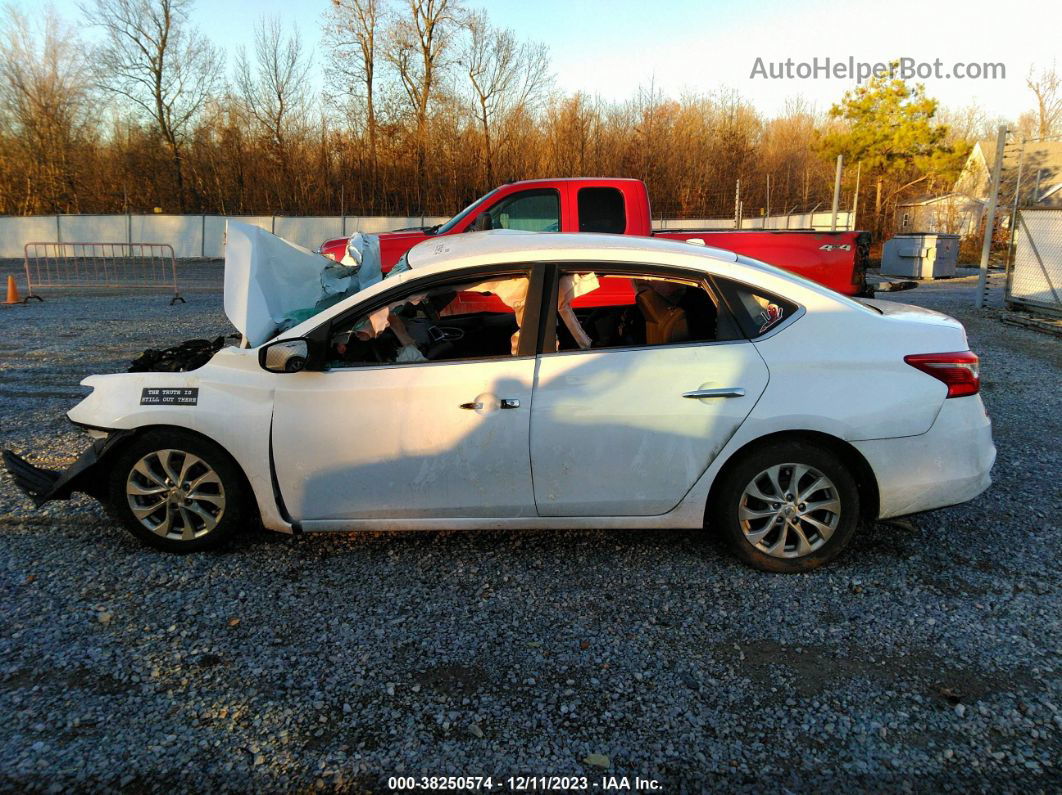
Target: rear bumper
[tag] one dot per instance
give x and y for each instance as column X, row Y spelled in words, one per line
column 947, row 465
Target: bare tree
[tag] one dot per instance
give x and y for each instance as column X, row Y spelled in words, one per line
column 415, row 48
column 504, row 74
column 1046, row 88
column 154, row 58
column 423, row 67
column 44, row 100
column 969, row 123
column 351, row 31
column 272, row 85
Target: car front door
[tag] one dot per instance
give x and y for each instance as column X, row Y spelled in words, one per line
column 649, row 380
column 422, row 412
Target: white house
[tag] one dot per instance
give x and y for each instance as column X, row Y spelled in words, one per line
column 961, row 211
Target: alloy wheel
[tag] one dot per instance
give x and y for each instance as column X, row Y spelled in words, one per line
column 789, row 510
column 175, row 494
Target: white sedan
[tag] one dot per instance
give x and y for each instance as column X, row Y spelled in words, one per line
column 516, row 380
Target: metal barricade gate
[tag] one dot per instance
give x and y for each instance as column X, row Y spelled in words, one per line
column 1034, row 278
column 101, row 265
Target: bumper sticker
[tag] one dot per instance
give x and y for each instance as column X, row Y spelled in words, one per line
column 170, row 396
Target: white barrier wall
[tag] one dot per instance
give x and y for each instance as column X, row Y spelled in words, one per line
column 190, row 235
column 204, row 235
column 183, row 232
column 215, row 231
column 308, row 232
column 372, row 225
column 17, row 231
column 92, row 228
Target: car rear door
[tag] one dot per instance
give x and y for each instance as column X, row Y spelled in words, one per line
column 628, row 428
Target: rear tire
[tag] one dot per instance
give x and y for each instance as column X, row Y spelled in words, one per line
column 788, row 507
column 177, row 491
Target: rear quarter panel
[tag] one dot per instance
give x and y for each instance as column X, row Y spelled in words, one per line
column 840, row 370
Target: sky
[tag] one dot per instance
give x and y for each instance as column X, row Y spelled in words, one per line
column 610, row 48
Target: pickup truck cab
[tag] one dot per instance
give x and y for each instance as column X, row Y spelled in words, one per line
column 621, row 206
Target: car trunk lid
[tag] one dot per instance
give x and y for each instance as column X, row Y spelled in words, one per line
column 923, row 330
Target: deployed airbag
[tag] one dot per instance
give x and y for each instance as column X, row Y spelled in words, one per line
column 271, row 284
column 265, row 279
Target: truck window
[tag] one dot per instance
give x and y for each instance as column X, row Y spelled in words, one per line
column 529, row 210
column 602, row 210
column 470, row 210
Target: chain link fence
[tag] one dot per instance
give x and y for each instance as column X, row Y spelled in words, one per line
column 1034, row 278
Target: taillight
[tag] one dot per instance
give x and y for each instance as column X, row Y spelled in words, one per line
column 959, row 371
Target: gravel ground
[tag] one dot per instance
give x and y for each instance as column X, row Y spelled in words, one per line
column 926, row 659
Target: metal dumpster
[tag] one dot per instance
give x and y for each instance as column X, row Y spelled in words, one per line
column 920, row 255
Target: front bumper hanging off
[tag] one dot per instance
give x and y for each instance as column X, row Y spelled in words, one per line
column 42, row 485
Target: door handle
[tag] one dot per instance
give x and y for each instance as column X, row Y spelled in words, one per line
column 510, row 403
column 473, row 406
column 726, row 392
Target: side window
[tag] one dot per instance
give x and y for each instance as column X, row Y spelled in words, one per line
column 756, row 311
column 597, row 309
column 602, row 210
column 529, row 210
column 459, row 320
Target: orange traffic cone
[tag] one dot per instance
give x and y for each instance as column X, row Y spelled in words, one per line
column 12, row 291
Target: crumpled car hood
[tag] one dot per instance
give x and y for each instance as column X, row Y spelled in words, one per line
column 271, row 284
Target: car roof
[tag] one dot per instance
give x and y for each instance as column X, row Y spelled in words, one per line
column 508, row 245
column 589, row 180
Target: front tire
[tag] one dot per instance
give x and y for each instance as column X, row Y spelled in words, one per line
column 177, row 491
column 788, row 507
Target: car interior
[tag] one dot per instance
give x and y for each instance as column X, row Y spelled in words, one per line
column 469, row 321
column 482, row 319
column 608, row 311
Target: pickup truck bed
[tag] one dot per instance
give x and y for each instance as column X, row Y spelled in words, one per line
column 835, row 259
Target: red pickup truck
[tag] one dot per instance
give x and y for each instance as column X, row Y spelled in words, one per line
column 621, row 206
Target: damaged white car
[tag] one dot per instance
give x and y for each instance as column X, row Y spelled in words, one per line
column 520, row 380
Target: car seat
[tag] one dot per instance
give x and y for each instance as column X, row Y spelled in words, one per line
column 665, row 323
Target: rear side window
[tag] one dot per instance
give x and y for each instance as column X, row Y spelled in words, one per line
column 756, row 311
column 598, row 309
column 602, row 210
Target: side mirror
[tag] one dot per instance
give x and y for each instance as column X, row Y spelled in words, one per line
column 284, row 356
column 483, row 223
